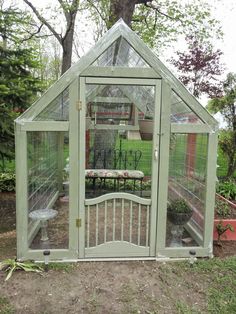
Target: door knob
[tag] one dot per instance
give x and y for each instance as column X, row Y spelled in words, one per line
column 156, row 153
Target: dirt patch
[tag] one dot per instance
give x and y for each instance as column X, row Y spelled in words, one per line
column 228, row 248
column 106, row 287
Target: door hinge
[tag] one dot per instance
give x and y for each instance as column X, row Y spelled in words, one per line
column 78, row 105
column 78, row 222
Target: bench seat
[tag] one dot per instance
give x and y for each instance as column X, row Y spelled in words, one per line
column 114, row 174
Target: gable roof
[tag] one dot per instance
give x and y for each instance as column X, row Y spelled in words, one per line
column 120, row 29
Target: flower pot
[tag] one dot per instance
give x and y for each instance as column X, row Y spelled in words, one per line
column 146, row 129
column 179, row 218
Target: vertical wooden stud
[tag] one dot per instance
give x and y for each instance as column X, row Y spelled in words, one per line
column 155, row 167
column 21, row 191
column 163, row 166
column 81, row 164
column 74, row 168
column 210, row 191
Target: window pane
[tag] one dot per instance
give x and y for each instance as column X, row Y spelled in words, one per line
column 47, row 179
column 120, row 53
column 181, row 112
column 57, row 110
column 187, row 181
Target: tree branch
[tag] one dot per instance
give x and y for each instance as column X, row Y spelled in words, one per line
column 99, row 12
column 33, row 34
column 149, row 4
column 43, row 21
column 69, row 15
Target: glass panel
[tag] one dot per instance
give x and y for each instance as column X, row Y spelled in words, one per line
column 180, row 111
column 187, row 182
column 120, row 53
column 47, row 178
column 119, row 139
column 57, row 110
column 113, row 104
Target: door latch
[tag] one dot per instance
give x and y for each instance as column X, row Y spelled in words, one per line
column 78, row 222
column 79, row 105
column 156, row 153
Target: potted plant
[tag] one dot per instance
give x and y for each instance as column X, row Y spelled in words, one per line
column 179, row 212
column 146, row 125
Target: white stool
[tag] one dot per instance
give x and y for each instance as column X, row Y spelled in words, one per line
column 43, row 215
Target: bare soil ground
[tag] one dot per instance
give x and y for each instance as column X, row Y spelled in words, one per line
column 104, row 287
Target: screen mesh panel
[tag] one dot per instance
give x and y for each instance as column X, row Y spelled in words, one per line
column 47, row 176
column 42, row 168
column 187, row 179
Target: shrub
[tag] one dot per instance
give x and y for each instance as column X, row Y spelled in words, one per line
column 222, row 209
column 221, row 229
column 179, row 206
column 227, row 189
column 7, row 182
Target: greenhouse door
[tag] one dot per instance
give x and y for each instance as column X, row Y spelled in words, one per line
column 120, row 146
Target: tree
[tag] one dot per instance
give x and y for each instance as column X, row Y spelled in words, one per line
column 200, row 68
column 7, row 141
column 158, row 22
column 226, row 105
column 70, row 9
column 18, row 86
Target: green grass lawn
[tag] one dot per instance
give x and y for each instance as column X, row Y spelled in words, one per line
column 177, row 159
column 145, row 147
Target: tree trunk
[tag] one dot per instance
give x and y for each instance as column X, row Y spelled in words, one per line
column 67, row 44
column 121, row 9
column 231, row 166
column 67, row 40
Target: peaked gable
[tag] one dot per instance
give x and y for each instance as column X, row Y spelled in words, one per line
column 119, row 31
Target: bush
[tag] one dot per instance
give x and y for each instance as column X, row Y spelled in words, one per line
column 222, row 209
column 179, row 206
column 227, row 189
column 7, row 182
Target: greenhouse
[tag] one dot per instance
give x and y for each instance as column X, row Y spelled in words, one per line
column 117, row 160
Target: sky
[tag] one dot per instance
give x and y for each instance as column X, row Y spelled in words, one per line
column 226, row 13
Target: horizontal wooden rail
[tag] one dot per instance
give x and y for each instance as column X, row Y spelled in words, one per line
column 127, row 196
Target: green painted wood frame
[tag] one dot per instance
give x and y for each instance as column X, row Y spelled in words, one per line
column 155, row 162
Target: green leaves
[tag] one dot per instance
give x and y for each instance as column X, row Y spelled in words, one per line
column 227, row 189
column 10, row 265
column 226, row 106
column 7, row 182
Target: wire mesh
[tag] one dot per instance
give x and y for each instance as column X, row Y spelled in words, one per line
column 187, row 174
column 47, row 157
column 42, row 168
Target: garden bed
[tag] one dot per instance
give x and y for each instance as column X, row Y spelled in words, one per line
column 227, row 219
